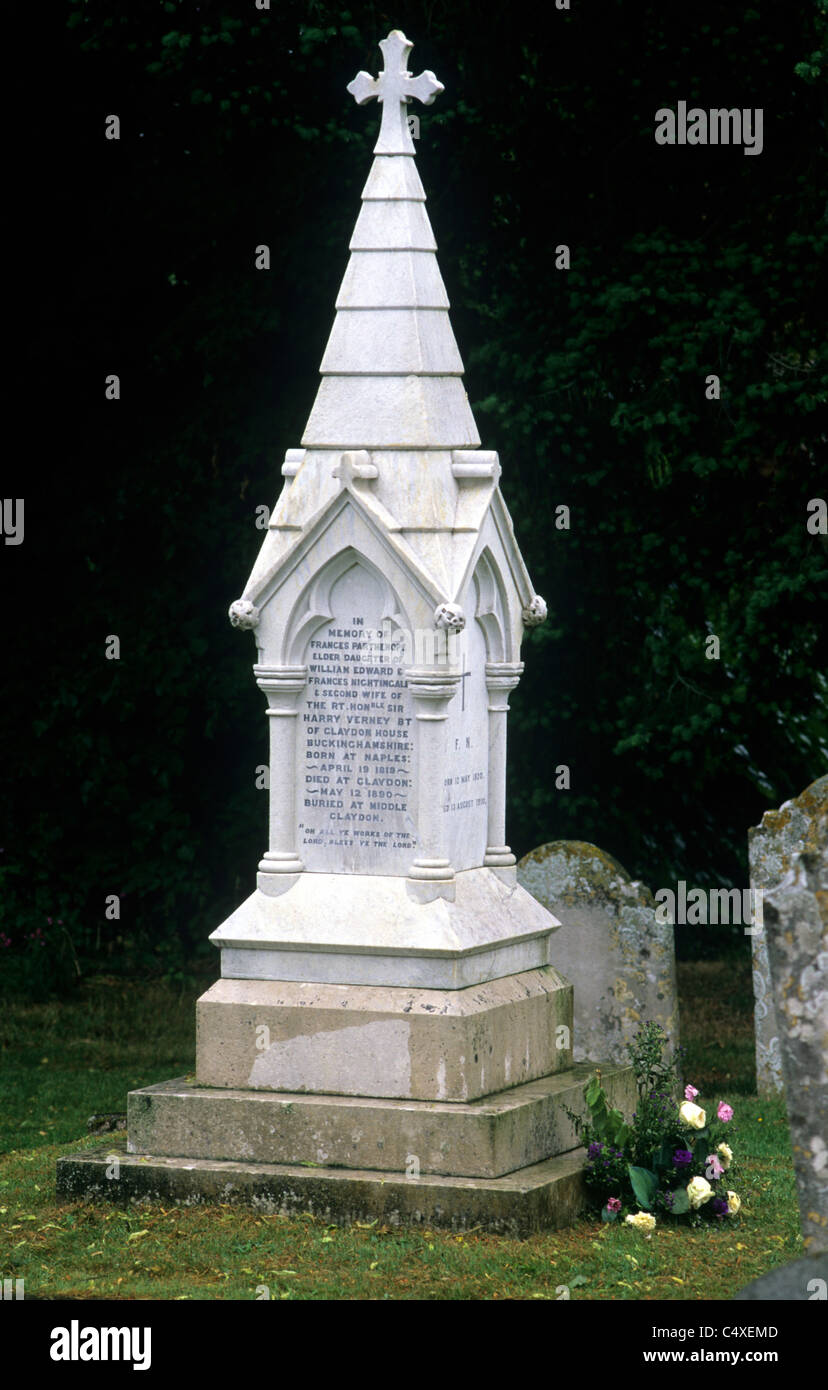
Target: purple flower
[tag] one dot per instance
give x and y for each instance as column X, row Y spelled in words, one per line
column 594, row 1150
column 719, row 1206
column 682, row 1158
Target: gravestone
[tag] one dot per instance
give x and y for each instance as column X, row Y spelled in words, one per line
column 389, row 1037
column 796, row 930
column 619, row 957
column 771, row 846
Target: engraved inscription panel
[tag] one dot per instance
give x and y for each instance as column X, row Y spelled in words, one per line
column 355, row 789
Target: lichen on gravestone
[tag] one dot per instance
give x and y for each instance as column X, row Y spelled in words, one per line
column 796, row 928
column 784, row 832
column 619, row 957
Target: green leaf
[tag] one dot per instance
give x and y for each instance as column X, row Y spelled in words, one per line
column 622, row 1132
column 644, row 1185
column 681, row 1202
column 701, row 1149
column 593, row 1090
column 663, row 1157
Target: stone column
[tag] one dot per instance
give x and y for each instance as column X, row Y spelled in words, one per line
column 431, row 693
column 501, row 678
column 283, row 685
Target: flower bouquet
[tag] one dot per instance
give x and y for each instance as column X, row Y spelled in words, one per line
column 670, row 1160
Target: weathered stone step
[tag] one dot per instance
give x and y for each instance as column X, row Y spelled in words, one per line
column 486, row 1138
column 542, row 1197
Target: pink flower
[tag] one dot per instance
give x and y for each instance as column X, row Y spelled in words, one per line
column 614, row 1204
column 724, row 1112
column 714, row 1167
column 690, row 1093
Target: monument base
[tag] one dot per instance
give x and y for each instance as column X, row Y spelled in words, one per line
column 508, row 1163
column 369, row 1040
column 477, row 927
column 542, row 1197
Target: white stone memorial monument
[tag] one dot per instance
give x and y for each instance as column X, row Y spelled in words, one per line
column 389, row 1035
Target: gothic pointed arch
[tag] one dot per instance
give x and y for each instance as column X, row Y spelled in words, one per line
column 491, row 608
column 313, row 607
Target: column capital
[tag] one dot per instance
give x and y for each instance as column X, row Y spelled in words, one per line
column 284, row 679
column 432, row 691
column 282, row 685
column 425, row 683
column 503, row 675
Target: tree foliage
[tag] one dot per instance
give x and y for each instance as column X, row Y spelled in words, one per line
column 687, row 514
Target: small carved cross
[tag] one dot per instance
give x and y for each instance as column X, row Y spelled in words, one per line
column 394, row 89
column 354, row 467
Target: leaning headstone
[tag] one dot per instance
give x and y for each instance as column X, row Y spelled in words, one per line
column 618, row 955
column 389, row 1038
column 771, row 847
column 796, row 928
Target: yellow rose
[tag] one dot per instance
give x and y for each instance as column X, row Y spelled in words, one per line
column 725, row 1154
column 699, row 1191
column 692, row 1115
column 642, row 1221
column 733, row 1203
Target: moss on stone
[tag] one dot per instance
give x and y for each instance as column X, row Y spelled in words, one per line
column 589, row 871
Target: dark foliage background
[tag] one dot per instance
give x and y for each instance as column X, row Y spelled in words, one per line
column 688, row 517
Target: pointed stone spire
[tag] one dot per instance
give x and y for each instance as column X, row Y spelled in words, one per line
column 392, row 373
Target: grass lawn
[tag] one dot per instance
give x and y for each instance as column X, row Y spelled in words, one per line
column 60, row 1063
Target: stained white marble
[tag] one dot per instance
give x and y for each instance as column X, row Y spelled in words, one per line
column 391, row 412
column 374, row 342
column 356, row 795
column 393, row 280
column 372, row 929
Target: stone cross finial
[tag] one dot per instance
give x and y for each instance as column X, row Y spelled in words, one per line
column 394, row 89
